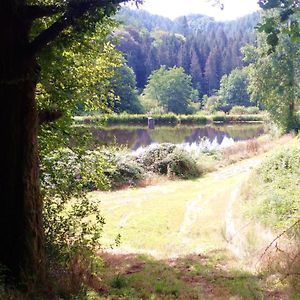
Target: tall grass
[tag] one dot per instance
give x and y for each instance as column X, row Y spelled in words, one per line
column 165, row 119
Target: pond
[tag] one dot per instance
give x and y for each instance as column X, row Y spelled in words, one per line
column 213, row 136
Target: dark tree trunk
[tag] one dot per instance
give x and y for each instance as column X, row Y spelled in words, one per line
column 21, row 252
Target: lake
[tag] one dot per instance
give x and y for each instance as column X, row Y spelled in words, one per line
column 136, row 137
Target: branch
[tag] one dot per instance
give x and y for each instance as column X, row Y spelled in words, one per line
column 38, row 11
column 74, row 12
column 279, row 236
column 47, row 116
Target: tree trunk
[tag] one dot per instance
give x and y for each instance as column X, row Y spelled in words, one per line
column 21, row 253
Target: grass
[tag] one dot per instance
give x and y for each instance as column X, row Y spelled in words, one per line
column 150, row 219
column 173, row 239
column 130, row 276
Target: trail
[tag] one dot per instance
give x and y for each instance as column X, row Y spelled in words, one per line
column 181, row 217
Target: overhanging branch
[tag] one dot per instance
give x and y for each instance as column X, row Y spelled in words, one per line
column 73, row 12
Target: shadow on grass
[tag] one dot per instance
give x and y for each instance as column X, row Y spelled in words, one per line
column 130, row 276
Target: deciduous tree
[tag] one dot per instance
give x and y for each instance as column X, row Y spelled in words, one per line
column 171, row 87
column 21, row 251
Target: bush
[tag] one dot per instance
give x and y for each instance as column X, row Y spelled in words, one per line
column 243, row 110
column 167, row 159
column 154, row 154
column 127, row 171
column 273, row 196
column 277, row 187
column 193, row 119
column 66, row 176
column 252, row 110
column 180, row 164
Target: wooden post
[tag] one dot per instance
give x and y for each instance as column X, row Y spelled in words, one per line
column 151, row 123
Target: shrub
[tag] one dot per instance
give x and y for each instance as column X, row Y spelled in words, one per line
column 252, row 110
column 179, row 163
column 66, row 176
column 219, row 118
column 277, row 187
column 127, row 171
column 193, row 119
column 154, row 154
column 167, row 159
column 243, row 110
column 273, row 194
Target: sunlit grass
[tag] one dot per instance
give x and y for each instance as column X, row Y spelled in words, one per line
column 172, row 219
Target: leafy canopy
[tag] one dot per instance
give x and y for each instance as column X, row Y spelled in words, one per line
column 274, row 79
column 233, row 89
column 171, row 87
column 286, row 21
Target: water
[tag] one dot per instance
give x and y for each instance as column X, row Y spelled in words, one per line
column 211, row 137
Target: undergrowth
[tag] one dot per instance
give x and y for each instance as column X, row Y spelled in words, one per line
column 272, row 196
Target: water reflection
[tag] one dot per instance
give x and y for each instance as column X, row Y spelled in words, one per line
column 135, row 138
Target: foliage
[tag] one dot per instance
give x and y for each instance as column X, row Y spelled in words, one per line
column 233, row 89
column 194, row 119
column 286, row 21
column 127, row 171
column 206, row 49
column 212, row 103
column 242, row 110
column 237, row 118
column 152, row 106
column 276, row 190
column 171, row 87
column 272, row 196
column 168, row 119
column 167, row 159
column 79, row 76
column 72, row 223
column 124, row 87
column 155, row 153
column 274, row 79
column 180, row 164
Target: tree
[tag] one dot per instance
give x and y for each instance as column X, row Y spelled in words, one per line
column 233, row 89
column 286, row 21
column 171, row 87
column 274, row 79
column 196, row 72
column 124, row 87
column 213, row 70
column 21, row 252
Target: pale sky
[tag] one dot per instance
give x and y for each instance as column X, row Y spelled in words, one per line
column 233, row 9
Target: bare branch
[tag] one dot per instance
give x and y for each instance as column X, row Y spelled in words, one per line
column 279, row 236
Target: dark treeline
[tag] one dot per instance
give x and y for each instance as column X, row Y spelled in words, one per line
column 206, row 49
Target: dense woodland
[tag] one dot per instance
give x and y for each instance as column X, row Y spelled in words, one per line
column 204, row 48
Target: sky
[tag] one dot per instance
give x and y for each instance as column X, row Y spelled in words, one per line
column 172, row 9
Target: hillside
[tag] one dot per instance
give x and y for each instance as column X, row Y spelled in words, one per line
column 205, row 48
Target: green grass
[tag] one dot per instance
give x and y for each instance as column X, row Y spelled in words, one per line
column 189, row 277
column 150, row 219
column 190, row 261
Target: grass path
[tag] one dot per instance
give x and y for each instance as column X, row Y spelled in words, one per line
column 192, row 231
column 175, row 218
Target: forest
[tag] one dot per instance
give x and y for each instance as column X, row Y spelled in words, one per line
column 148, row 158
column 204, row 48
